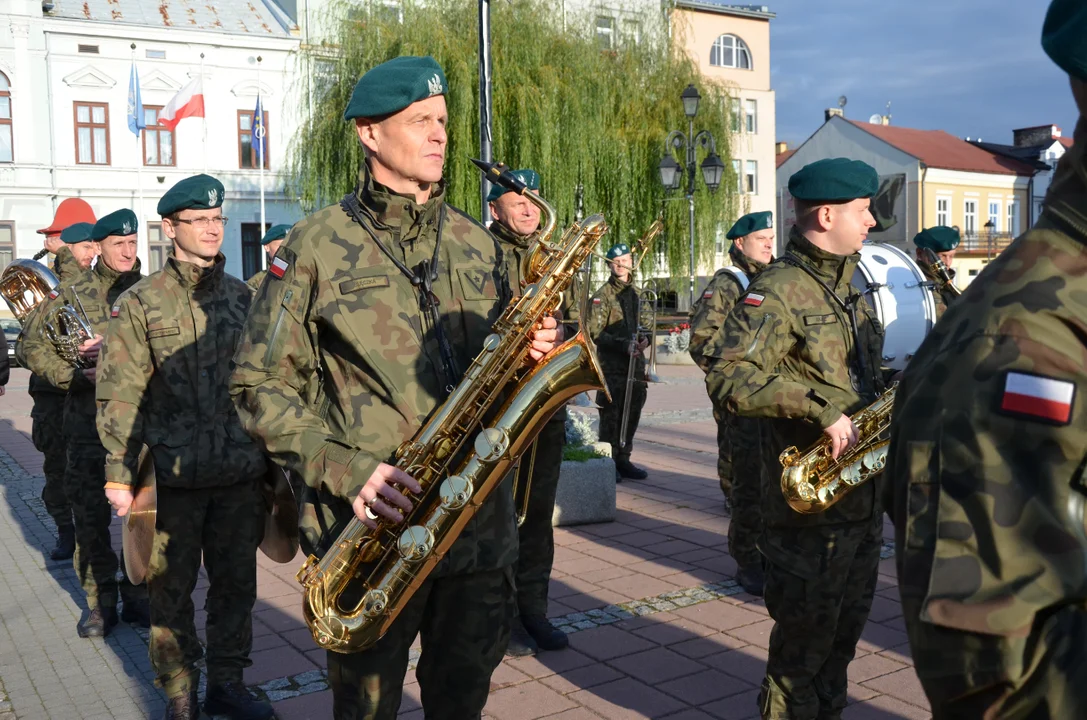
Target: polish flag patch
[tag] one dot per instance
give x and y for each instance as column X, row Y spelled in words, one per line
column 596, row 301
column 1038, row 397
column 53, row 294
column 754, row 299
column 115, row 311
column 707, row 294
column 278, row 267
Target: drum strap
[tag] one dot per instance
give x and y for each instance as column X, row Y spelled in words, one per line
column 740, row 275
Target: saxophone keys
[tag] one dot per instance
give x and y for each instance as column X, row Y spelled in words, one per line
column 374, row 603
column 455, row 491
column 492, row 444
column 415, row 543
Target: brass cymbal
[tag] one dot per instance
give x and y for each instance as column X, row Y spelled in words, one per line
column 280, row 541
column 138, row 525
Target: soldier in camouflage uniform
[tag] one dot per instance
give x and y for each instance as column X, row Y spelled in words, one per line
column 738, row 458
column 270, row 242
column 515, row 221
column 385, row 299
column 162, row 383
column 93, row 293
column 942, row 241
column 48, row 411
column 613, row 325
column 986, row 471
column 802, row 350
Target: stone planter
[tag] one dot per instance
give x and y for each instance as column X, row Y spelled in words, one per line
column 586, row 490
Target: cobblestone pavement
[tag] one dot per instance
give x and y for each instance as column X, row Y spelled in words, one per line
column 659, row 629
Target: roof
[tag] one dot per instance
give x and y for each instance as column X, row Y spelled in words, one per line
column 783, row 156
column 938, row 149
column 719, row 6
column 250, row 17
column 1066, row 141
column 1028, row 154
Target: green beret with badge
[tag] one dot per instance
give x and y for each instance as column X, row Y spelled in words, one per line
column 529, row 177
column 834, row 180
column 938, row 239
column 274, row 233
column 77, row 233
column 199, row 192
column 119, row 222
column 750, row 223
column 618, row 250
column 393, row 85
column 1064, row 36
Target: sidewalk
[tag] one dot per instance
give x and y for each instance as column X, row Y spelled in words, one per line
column 659, row 629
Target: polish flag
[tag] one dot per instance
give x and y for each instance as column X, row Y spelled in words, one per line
column 278, row 267
column 189, row 102
column 1038, row 396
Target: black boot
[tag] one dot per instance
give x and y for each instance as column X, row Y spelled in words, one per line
column 751, row 578
column 65, row 547
column 521, row 643
column 98, row 623
column 546, row 635
column 136, row 612
column 628, row 470
column 183, row 707
column 233, row 700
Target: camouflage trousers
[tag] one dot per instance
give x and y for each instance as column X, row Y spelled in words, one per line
column 224, row 525
column 820, row 603
column 464, row 624
column 738, row 439
column 536, row 536
column 611, row 413
column 967, row 675
column 49, row 440
column 95, row 561
column 724, row 452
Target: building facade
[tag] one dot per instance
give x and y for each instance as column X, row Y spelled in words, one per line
column 65, row 71
column 1042, row 146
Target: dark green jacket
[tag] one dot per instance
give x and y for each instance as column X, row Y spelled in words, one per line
column 613, row 324
column 941, row 294
column 709, row 311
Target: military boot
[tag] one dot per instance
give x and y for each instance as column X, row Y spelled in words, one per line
column 65, row 547
column 233, row 700
column 183, row 707
column 546, row 635
column 521, row 643
column 627, row 469
column 98, row 623
column 137, row 612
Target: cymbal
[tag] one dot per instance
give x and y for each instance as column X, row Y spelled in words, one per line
column 138, row 525
column 280, row 541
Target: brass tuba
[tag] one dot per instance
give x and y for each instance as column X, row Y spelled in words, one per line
column 24, row 285
column 68, row 328
column 499, row 407
column 812, row 482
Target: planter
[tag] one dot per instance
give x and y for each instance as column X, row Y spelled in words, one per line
column 586, row 490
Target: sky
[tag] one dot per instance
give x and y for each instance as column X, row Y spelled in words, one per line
column 974, row 68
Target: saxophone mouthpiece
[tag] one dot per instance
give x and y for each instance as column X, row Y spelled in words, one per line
column 499, row 174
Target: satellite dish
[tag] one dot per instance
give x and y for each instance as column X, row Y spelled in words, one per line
column 842, row 101
column 876, row 119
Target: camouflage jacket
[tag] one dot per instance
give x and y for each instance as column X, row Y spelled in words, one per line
column 338, row 364
column 986, row 482
column 786, row 353
column 512, row 249
column 254, row 282
column 96, row 290
column 162, row 379
column 613, row 323
column 941, row 294
column 67, row 269
column 709, row 312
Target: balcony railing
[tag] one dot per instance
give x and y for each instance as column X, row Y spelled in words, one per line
column 984, row 242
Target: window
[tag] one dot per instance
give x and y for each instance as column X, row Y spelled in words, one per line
column 605, row 32
column 970, row 217
column 390, row 11
column 7, row 152
column 736, row 173
column 247, row 154
column 942, row 214
column 719, row 241
column 155, row 54
column 158, row 247
column 1013, row 217
column 7, row 243
column 251, row 248
column 731, row 52
column 751, row 113
column 737, row 116
column 158, row 142
column 994, row 214
column 751, row 177
column 92, row 133
column 632, row 32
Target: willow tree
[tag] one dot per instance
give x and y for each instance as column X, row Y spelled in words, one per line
column 561, row 106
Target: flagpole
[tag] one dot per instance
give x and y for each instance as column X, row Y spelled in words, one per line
column 137, row 110
column 260, row 159
column 204, row 116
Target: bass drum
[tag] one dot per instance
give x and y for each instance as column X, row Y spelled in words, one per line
column 894, row 286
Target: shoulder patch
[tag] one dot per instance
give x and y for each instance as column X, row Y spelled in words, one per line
column 597, row 301
column 707, row 294
column 115, row 311
column 1038, row 397
column 278, row 268
column 754, row 299
column 53, row 294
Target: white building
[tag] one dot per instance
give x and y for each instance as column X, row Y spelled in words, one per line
column 1043, row 146
column 64, row 114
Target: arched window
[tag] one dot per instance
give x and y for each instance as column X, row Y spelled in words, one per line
column 5, row 120
column 731, row 52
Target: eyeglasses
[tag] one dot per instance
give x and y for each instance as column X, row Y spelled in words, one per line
column 205, row 223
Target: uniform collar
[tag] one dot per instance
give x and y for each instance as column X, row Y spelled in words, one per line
column 65, row 266
column 504, row 234
column 749, row 266
column 618, row 284
column 395, row 212
column 193, row 276
column 830, row 268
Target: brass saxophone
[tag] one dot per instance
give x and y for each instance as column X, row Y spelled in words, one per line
column 812, row 482
column 498, row 405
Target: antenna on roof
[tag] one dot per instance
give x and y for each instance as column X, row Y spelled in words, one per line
column 842, row 100
column 876, row 119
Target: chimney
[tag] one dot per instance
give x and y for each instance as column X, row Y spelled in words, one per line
column 1026, row 137
column 885, row 120
column 831, row 112
column 781, row 147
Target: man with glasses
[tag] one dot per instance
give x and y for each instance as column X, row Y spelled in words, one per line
column 162, row 382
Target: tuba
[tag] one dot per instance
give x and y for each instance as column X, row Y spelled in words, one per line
column 24, row 285
column 812, row 482
column 462, row 452
column 68, row 328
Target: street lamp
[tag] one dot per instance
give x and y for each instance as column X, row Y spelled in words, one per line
column 990, row 226
column 671, row 172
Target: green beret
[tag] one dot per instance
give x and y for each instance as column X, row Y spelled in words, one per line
column 73, row 234
column 529, row 177
column 834, row 180
column 618, row 250
column 118, row 222
column 393, row 85
column 199, row 192
column 1064, row 36
column 275, row 233
column 752, row 222
column 938, row 239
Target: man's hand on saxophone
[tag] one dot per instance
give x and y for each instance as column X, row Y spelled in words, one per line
column 842, row 434
column 546, row 339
